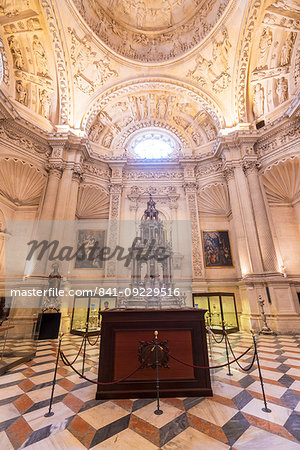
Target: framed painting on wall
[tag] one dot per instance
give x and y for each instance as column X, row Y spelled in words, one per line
column 89, row 244
column 217, row 250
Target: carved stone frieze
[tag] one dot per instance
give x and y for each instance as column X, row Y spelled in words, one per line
column 153, row 175
column 60, row 61
column 214, row 72
column 275, row 141
column 150, row 32
column 208, row 169
column 90, row 71
column 95, row 170
column 18, row 138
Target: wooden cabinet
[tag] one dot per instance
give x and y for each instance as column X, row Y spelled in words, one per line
column 185, row 333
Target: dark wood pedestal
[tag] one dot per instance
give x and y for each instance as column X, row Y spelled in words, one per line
column 122, row 331
column 48, row 325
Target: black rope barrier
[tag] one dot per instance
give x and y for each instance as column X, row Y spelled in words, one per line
column 67, row 363
column 245, row 369
column 209, row 367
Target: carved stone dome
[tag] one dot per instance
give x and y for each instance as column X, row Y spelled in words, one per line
column 151, row 30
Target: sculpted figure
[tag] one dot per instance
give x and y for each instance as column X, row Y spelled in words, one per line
column 45, row 103
column 16, row 52
column 161, row 107
column 258, row 100
column 96, row 130
column 107, row 140
column 286, row 51
column 264, row 46
column 282, row 90
column 40, row 56
column 221, row 50
column 21, row 92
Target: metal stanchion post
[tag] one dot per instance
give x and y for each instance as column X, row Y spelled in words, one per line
column 84, row 350
column 158, row 411
column 227, row 353
column 265, row 409
column 51, row 413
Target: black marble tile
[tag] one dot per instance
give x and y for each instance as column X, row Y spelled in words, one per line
column 140, row 403
column 283, row 368
column 37, row 436
column 280, row 359
column 286, row 380
column 45, row 403
column 246, row 381
column 242, row 399
column 110, row 430
column 5, row 401
column 290, row 398
column 91, row 403
column 7, row 423
column 192, row 401
column 173, row 428
column 81, row 385
column 235, row 427
column 293, row 425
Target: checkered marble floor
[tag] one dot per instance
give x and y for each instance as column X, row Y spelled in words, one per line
column 231, row 419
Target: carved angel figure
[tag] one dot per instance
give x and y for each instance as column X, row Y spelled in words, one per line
column 40, row 56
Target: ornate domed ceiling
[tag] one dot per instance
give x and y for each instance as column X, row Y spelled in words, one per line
column 151, row 30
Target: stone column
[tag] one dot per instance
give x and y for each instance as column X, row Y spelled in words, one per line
column 242, row 246
column 242, row 205
column 54, row 170
column 114, row 226
column 296, row 207
column 261, row 218
column 73, row 196
column 63, row 192
column 197, row 252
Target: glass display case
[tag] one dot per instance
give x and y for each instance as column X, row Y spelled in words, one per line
column 221, row 308
column 18, row 330
column 86, row 317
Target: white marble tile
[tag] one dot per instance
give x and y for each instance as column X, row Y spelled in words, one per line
column 213, row 412
column 37, row 420
column 11, row 391
column 103, row 414
column 87, row 393
column 126, row 440
column 45, row 393
column 270, row 389
column 225, row 390
column 292, row 362
column 191, row 439
column 45, row 378
column 257, row 439
column 268, row 374
column 293, row 372
column 10, row 378
column 147, row 413
column 8, row 411
column 5, row 442
column 278, row 414
column 295, row 385
column 43, row 367
column 64, row 440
